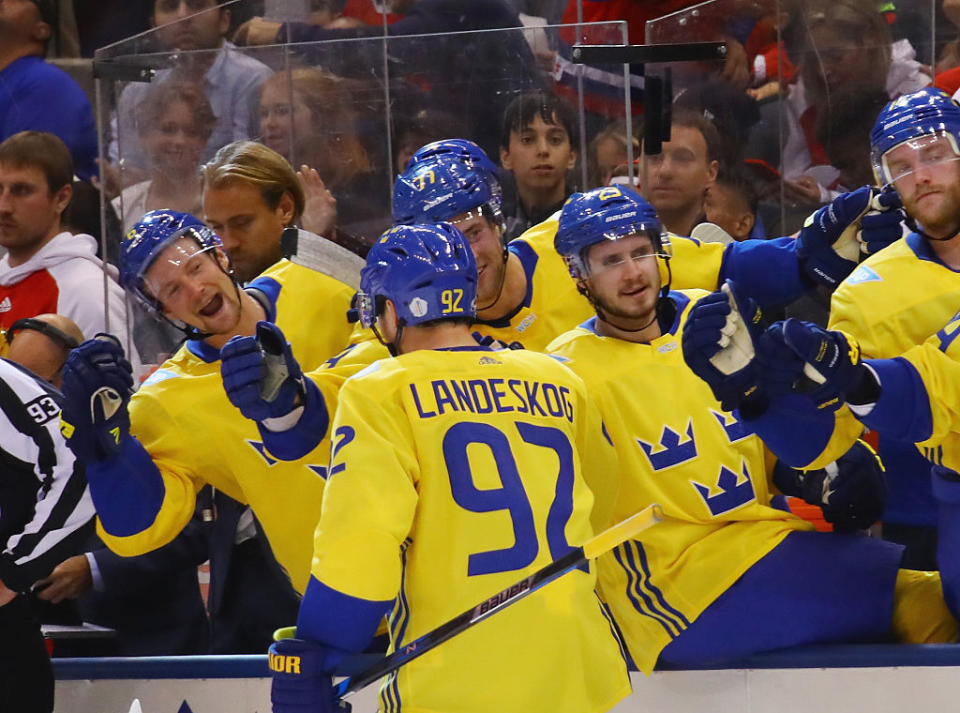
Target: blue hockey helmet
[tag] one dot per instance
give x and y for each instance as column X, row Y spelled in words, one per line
column 427, row 271
column 148, row 238
column 442, row 187
column 462, row 149
column 915, row 119
column 605, row 213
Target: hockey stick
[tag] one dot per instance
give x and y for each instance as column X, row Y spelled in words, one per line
column 604, row 542
column 324, row 256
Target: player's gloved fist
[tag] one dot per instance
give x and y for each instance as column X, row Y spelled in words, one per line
column 302, row 682
column 827, row 245
column 778, row 365
column 260, row 375
column 97, row 383
column 851, row 491
column 832, row 361
column 718, row 345
column 883, row 223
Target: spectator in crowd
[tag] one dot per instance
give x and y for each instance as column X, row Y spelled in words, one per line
column 731, row 202
column 445, row 65
column 41, row 344
column 35, row 95
column 251, row 194
column 48, row 270
column 536, row 146
column 229, row 78
column 607, row 153
column 307, row 115
column 841, row 47
column 677, row 179
column 844, row 133
column 174, row 121
column 45, row 515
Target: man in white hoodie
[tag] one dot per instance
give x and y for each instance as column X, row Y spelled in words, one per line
column 46, row 269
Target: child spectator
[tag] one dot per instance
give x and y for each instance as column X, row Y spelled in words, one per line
column 536, row 146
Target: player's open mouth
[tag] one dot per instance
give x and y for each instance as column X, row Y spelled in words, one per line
column 213, row 306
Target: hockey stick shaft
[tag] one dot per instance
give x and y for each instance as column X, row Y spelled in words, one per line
column 604, row 542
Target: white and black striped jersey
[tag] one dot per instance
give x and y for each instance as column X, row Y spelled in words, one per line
column 45, row 507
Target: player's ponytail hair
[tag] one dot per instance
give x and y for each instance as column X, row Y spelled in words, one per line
column 260, row 166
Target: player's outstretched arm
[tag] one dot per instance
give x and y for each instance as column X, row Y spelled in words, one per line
column 264, row 381
column 851, row 491
column 854, row 224
column 125, row 484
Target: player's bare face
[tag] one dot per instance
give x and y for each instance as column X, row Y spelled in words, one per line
column 484, row 239
column 927, row 177
column 193, row 287
column 625, row 279
column 249, row 228
column 29, row 212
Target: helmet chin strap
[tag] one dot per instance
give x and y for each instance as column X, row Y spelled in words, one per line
column 503, row 280
column 392, row 347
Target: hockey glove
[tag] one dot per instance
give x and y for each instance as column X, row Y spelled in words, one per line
column 260, row 375
column 827, row 246
column 97, row 383
column 778, row 365
column 833, row 367
column 851, row 491
column 302, row 682
column 883, row 223
column 718, row 346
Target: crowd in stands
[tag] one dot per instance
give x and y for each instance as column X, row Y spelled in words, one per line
column 257, row 124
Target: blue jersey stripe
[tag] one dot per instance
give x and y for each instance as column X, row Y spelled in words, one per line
column 614, row 629
column 656, row 590
column 625, row 559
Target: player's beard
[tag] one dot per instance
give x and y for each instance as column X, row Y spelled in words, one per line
column 624, row 318
column 942, row 218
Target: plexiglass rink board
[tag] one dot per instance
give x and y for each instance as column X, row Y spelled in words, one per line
column 353, row 108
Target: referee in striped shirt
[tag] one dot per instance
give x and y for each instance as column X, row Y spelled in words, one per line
column 45, row 515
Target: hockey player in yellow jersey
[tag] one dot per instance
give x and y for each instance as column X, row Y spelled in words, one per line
column 901, row 297
column 710, row 581
column 524, row 297
column 148, row 454
column 468, row 468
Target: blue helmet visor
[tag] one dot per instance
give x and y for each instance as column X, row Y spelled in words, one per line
column 916, row 154
column 170, row 264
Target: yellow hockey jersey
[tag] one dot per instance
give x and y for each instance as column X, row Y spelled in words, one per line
column 894, row 300
column 938, row 362
column 678, row 448
column 552, row 304
column 466, row 468
column 194, row 435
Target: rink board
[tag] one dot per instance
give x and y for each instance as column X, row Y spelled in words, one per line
column 879, row 679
